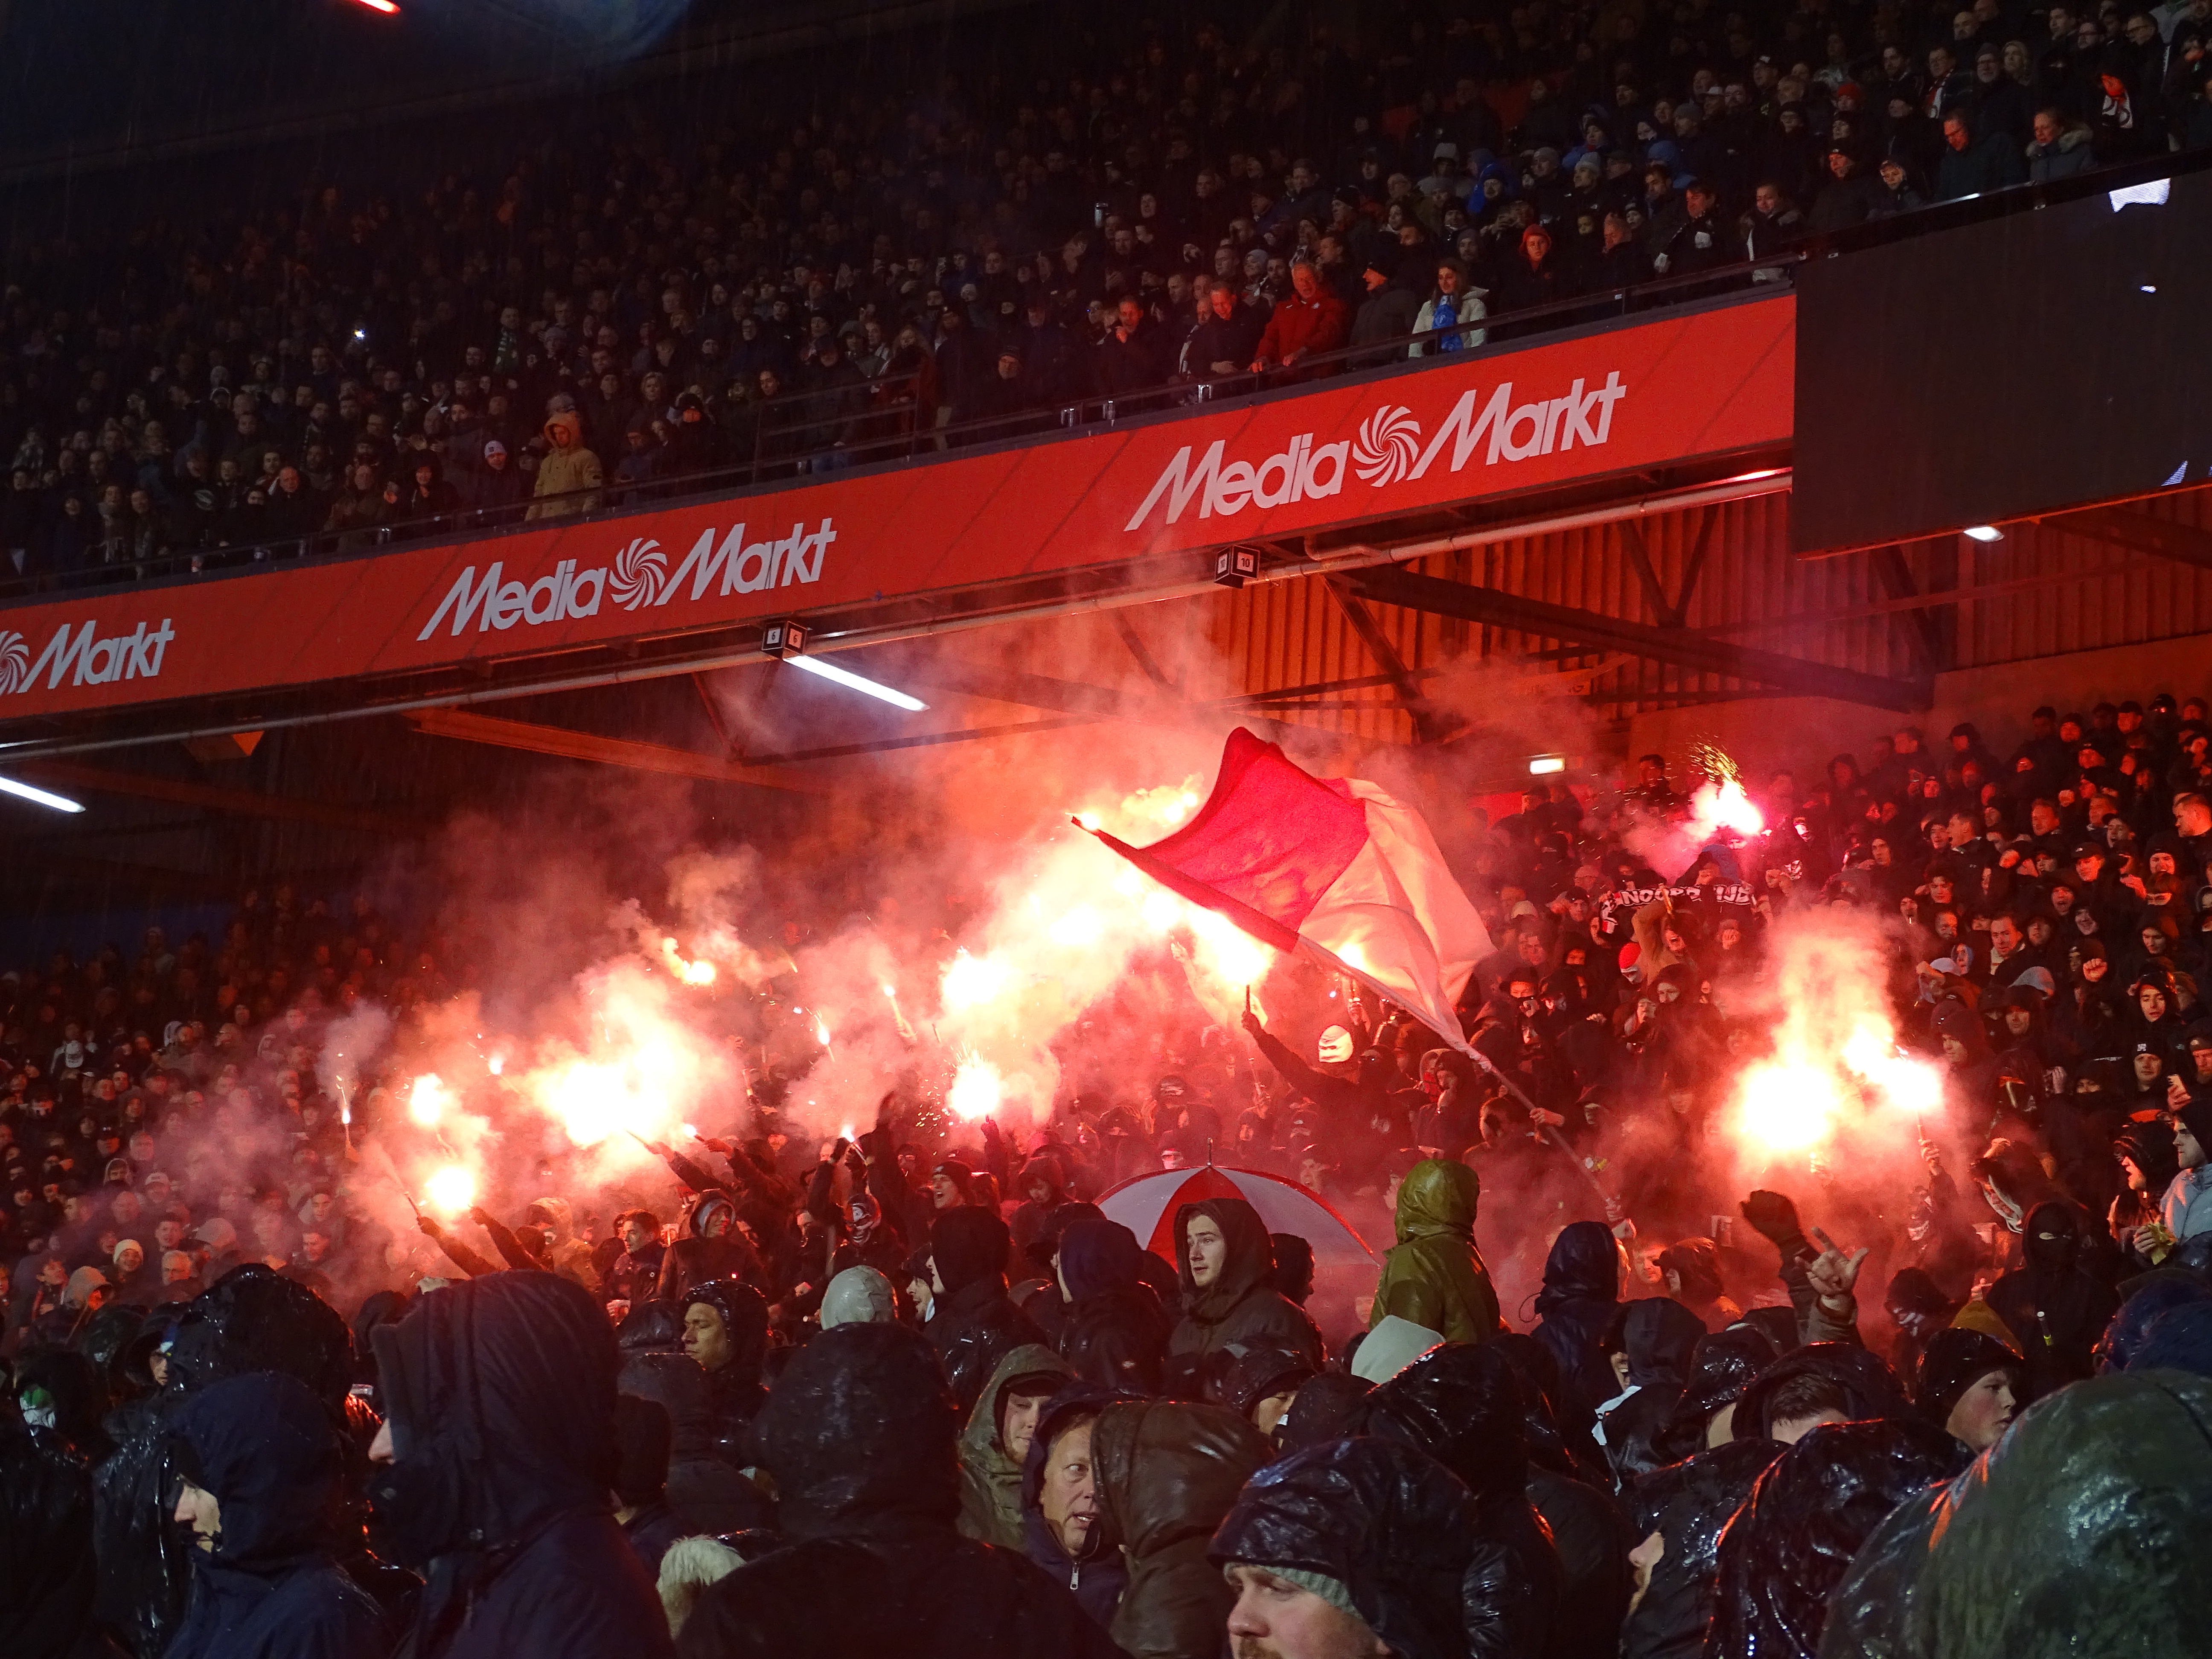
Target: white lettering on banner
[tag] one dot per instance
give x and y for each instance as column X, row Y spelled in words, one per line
column 1384, row 456
column 719, row 562
column 83, row 658
column 1295, row 474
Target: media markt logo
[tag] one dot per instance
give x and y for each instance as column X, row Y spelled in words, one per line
column 83, row 657
column 1389, row 449
column 638, row 577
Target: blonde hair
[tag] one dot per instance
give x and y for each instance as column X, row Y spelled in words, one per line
column 688, row 1567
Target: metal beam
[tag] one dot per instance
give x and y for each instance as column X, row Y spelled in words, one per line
column 2124, row 527
column 1142, row 653
column 1922, row 630
column 76, row 778
column 1427, row 729
column 1709, row 524
column 1801, row 619
column 1697, row 652
column 1646, row 574
column 713, row 711
column 461, row 723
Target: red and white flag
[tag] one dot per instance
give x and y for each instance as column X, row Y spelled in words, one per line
column 1331, row 864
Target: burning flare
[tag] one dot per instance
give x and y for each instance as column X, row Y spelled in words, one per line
column 452, row 1188
column 976, row 1089
column 688, row 972
column 429, row 1100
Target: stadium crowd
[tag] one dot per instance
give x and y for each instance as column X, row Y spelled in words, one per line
column 915, row 1393
column 650, row 296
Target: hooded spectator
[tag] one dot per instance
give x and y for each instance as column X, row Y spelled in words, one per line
column 251, row 1320
column 1462, row 1405
column 47, row 1572
column 1114, row 1333
column 995, row 1444
column 858, row 1296
column 497, row 1461
column 1580, row 1298
column 570, row 477
column 2026, row 1556
column 1350, row 1547
column 643, row 1438
column 2054, row 1309
column 262, row 1472
column 972, row 1322
column 1806, row 1516
column 1224, row 1259
column 1969, row 1384
column 1434, row 1274
column 726, row 1332
column 1063, row 1529
column 860, row 1437
column 704, row 1488
column 1652, row 1350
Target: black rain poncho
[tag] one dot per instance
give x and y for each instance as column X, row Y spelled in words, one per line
column 1791, row 1542
column 2079, row 1535
column 1689, row 1502
column 46, row 1569
column 1581, row 1295
column 1390, row 1524
column 1461, row 1405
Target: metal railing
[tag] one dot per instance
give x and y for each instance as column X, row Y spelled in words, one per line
column 813, row 433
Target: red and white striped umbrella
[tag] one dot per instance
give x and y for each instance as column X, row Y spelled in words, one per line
column 1146, row 1206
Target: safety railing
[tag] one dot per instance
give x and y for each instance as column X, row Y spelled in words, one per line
column 816, row 432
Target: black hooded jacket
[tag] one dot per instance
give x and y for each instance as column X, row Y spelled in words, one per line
column 1659, row 1335
column 2054, row 1309
column 859, row 1435
column 270, row 1586
column 733, row 1388
column 1114, row 1333
column 1390, row 1524
column 695, row 1259
column 1462, row 1405
column 1809, row 1513
column 974, row 1323
column 501, row 1396
column 1581, row 1294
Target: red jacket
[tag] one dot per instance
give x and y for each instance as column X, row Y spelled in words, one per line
column 1307, row 326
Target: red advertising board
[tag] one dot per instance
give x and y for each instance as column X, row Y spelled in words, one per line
column 1707, row 382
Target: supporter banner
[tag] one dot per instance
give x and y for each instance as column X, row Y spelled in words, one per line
column 2018, row 366
column 1627, row 900
column 1716, row 382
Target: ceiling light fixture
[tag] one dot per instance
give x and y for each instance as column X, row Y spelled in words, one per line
column 845, row 676
column 1983, row 532
column 24, row 792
